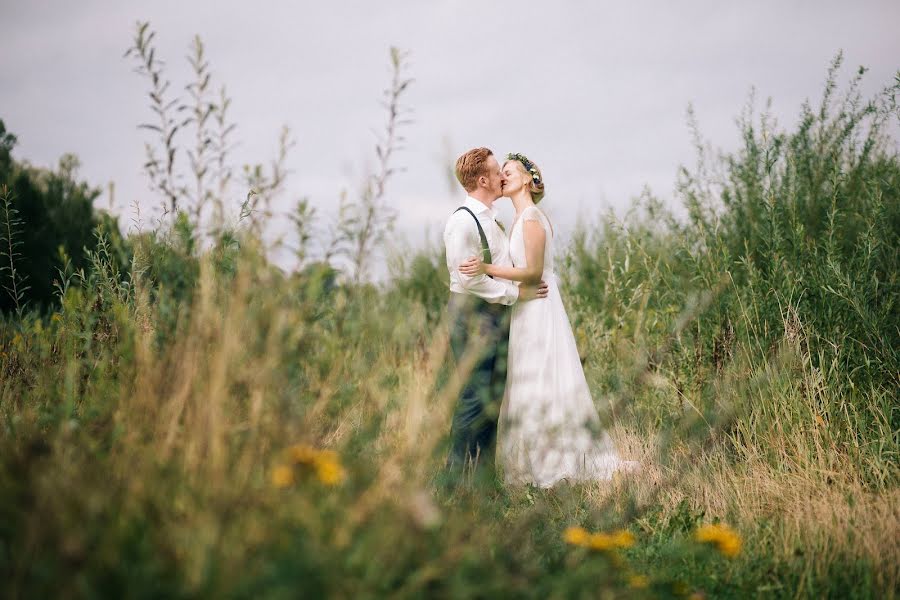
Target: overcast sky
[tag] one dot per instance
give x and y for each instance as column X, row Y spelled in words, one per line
column 594, row 92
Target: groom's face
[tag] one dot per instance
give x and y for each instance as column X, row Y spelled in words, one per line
column 495, row 178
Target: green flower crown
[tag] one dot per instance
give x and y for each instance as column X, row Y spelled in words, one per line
column 529, row 166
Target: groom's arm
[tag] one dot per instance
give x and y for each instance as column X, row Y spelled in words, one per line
column 462, row 241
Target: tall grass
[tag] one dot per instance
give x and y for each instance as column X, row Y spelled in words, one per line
column 786, row 377
column 794, row 239
column 164, row 432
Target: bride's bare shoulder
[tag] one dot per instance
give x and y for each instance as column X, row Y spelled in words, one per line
column 533, row 213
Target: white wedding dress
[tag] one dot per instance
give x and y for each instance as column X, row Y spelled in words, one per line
column 548, row 427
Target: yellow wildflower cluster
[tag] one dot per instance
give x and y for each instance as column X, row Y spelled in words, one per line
column 638, row 582
column 324, row 463
column 725, row 539
column 282, row 476
column 578, row 536
column 329, row 472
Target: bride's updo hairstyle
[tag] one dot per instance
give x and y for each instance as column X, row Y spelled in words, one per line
column 529, row 169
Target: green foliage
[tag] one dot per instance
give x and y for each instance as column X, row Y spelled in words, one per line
column 786, row 267
column 421, row 276
column 49, row 213
column 15, row 285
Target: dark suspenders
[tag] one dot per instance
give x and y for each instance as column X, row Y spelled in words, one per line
column 485, row 249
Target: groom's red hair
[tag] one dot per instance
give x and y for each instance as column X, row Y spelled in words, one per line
column 472, row 165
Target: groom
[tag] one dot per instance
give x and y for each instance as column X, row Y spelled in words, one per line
column 479, row 310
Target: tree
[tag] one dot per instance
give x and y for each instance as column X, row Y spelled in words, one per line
column 55, row 218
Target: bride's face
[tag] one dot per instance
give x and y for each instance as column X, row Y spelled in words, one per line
column 516, row 178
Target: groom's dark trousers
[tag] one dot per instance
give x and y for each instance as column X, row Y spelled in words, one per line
column 479, row 338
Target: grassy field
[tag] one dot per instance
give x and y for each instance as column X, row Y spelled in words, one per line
column 192, row 422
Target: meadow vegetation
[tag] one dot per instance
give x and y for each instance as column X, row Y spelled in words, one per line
column 181, row 418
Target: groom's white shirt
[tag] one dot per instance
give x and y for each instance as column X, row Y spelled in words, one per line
column 462, row 241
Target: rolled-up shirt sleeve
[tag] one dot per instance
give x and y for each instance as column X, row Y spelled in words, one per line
column 462, row 241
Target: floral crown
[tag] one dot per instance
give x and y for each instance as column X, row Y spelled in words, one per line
column 529, row 166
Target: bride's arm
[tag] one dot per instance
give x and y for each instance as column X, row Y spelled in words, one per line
column 535, row 239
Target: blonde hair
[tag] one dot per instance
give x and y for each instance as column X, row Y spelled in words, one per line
column 472, row 165
column 537, row 187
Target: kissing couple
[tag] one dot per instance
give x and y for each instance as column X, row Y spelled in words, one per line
column 524, row 405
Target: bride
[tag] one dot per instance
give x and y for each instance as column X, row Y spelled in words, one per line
column 549, row 428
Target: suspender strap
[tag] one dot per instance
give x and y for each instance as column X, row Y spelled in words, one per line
column 485, row 249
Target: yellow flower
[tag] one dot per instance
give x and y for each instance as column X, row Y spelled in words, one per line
column 56, row 317
column 303, row 454
column 282, row 476
column 730, row 546
column 638, row 582
column 330, row 471
column 325, row 463
column 623, row 539
column 601, row 542
column 328, row 456
column 725, row 539
column 576, row 536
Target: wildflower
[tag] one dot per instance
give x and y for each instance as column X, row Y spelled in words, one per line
column 55, row 317
column 623, row 539
column 329, row 471
column 327, row 456
column 725, row 539
column 601, row 542
column 282, row 476
column 325, row 463
column 638, row 582
column 612, row 541
column 302, row 454
column 576, row 536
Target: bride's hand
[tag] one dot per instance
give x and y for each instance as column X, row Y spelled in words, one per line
column 472, row 267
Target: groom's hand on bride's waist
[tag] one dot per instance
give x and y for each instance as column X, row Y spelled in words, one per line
column 530, row 292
